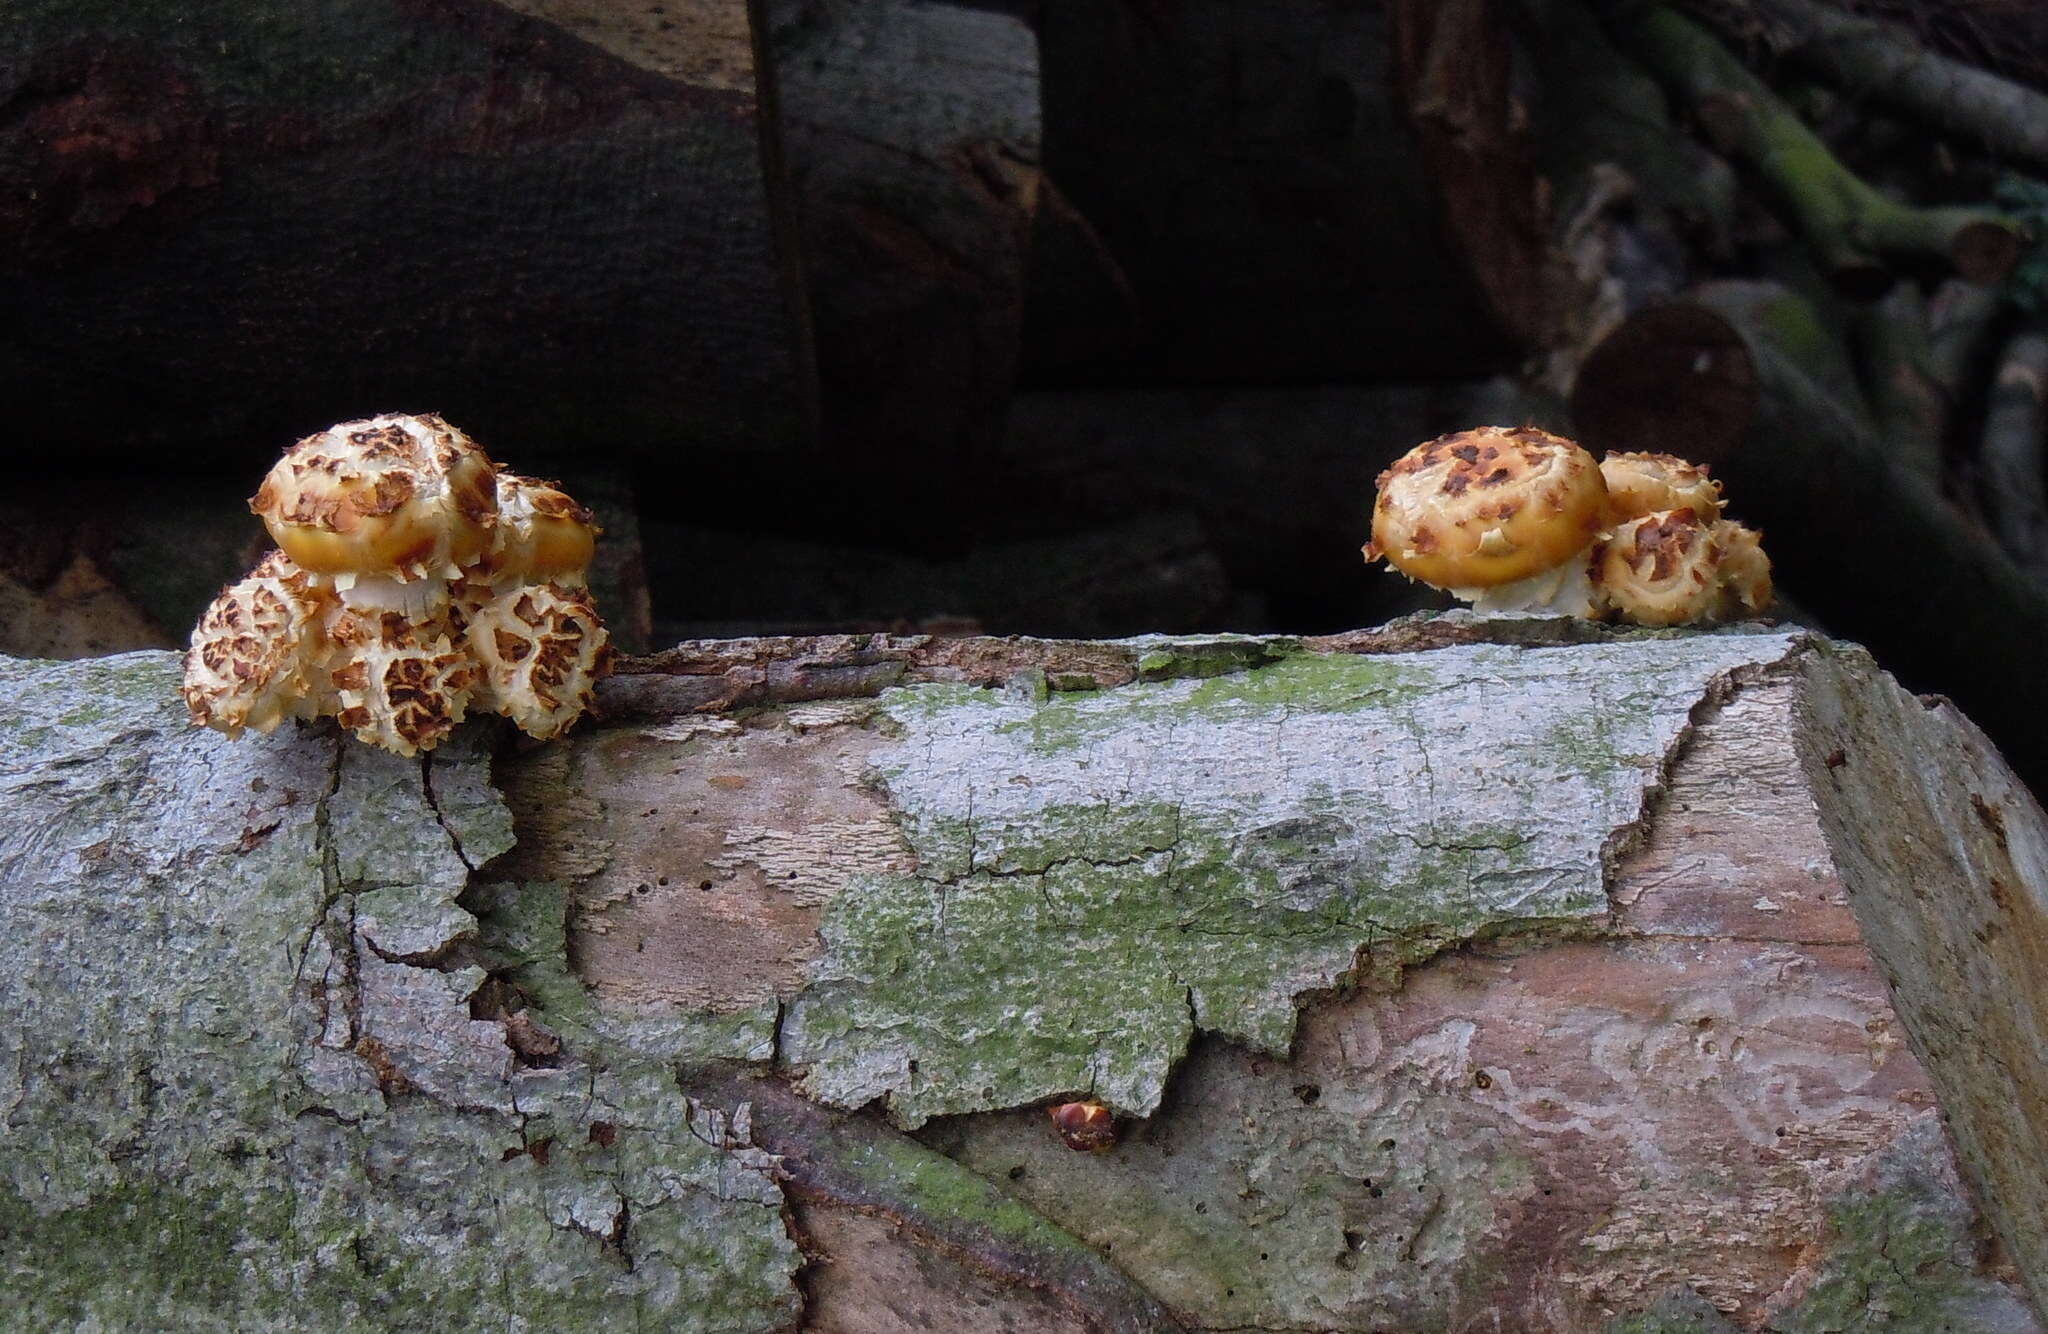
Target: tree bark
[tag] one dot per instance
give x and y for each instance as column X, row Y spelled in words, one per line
column 1450, row 973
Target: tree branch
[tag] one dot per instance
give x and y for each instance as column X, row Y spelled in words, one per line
column 1848, row 223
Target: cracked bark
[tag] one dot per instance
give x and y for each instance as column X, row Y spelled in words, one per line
column 1452, row 973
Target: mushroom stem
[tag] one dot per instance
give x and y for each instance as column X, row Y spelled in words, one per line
column 375, row 593
column 1563, row 590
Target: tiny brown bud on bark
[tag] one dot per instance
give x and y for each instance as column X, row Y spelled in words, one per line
column 1087, row 1127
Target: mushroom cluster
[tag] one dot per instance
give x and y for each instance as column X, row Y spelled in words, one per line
column 415, row 582
column 1518, row 519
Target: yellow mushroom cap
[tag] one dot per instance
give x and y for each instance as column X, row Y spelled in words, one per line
column 398, row 683
column 408, row 497
column 542, row 649
column 1640, row 484
column 1661, row 569
column 255, row 653
column 1487, row 506
column 1745, row 571
column 541, row 535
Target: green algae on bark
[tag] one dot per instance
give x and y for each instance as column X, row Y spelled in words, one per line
column 246, row 1086
column 1098, row 875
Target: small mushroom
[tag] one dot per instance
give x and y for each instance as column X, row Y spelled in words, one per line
column 401, row 683
column 389, row 509
column 1640, row 484
column 255, row 656
column 1745, row 571
column 541, row 536
column 1501, row 517
column 541, row 649
column 1661, row 569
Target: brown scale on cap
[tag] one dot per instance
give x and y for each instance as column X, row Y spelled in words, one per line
column 407, row 497
column 255, row 653
column 1486, row 507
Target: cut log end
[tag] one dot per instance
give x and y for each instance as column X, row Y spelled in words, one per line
column 1984, row 251
column 1673, row 379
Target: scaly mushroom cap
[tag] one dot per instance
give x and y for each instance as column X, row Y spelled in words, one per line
column 543, row 649
column 1745, row 571
column 397, row 496
column 541, row 535
column 1485, row 507
column 1640, row 484
column 256, row 650
column 398, row 683
column 1661, row 569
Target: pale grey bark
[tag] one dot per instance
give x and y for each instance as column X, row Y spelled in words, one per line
column 1453, row 974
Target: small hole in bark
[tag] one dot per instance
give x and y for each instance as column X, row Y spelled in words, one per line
column 1386, row 1146
column 1016, row 1173
column 913, row 1065
column 1308, row 1093
column 1481, row 1079
column 704, row 884
column 1201, row 1207
column 1706, row 1021
column 662, row 881
column 1355, row 1240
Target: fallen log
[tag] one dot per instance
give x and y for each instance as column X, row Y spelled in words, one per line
column 1522, row 974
